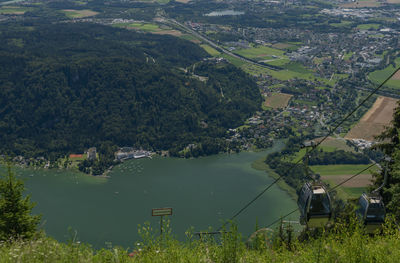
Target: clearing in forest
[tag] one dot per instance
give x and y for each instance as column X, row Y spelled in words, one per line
column 72, row 13
column 360, row 4
column 374, row 121
column 13, row 10
column 150, row 28
column 210, row 50
column 277, row 100
column 172, row 32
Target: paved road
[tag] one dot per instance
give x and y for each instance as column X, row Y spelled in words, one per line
column 213, row 44
column 380, row 92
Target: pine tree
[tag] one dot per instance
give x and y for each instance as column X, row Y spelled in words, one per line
column 391, row 147
column 16, row 220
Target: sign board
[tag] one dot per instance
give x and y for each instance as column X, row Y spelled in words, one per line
column 167, row 211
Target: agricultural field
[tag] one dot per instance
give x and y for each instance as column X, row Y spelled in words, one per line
column 347, row 56
column 143, row 27
column 71, row 13
column 341, row 169
column 172, row 32
column 343, row 23
column 278, row 62
column 240, row 63
column 379, row 76
column 335, row 143
column 190, row 38
column 14, row 10
column 277, row 100
column 261, row 53
column 285, row 46
column 374, row 121
column 153, row 28
column 336, row 174
column 362, row 3
column 368, row 26
column 210, row 50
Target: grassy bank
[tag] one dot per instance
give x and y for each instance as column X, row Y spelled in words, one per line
column 346, row 244
column 262, row 166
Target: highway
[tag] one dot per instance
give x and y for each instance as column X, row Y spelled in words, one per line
column 213, row 44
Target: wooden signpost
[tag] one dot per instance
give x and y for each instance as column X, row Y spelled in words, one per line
column 161, row 212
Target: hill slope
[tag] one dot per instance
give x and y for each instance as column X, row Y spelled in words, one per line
column 66, row 87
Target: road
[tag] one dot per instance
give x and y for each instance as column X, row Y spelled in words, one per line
column 380, row 92
column 213, row 44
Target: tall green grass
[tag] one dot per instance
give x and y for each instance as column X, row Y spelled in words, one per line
column 344, row 243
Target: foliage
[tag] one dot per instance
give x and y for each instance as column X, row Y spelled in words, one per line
column 294, row 175
column 345, row 243
column 16, row 221
column 74, row 86
column 391, row 147
column 320, row 157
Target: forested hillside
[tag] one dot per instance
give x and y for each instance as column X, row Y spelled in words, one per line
column 66, row 87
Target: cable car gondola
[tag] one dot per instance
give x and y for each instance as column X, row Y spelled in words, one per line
column 371, row 209
column 314, row 205
column 371, row 212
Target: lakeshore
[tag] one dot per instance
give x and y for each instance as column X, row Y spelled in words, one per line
column 202, row 192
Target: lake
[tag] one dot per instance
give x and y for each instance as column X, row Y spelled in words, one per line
column 202, row 193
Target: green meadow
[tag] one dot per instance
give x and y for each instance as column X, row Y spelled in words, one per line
column 368, row 26
column 210, row 50
column 260, row 52
column 342, row 169
column 379, row 76
column 140, row 26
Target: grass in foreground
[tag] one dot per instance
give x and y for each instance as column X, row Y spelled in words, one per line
column 347, row 243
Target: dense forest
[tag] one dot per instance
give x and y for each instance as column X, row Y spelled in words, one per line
column 319, row 157
column 69, row 86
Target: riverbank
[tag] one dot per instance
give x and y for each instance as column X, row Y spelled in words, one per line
column 260, row 165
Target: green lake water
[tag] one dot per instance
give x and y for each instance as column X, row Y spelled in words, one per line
column 202, row 193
